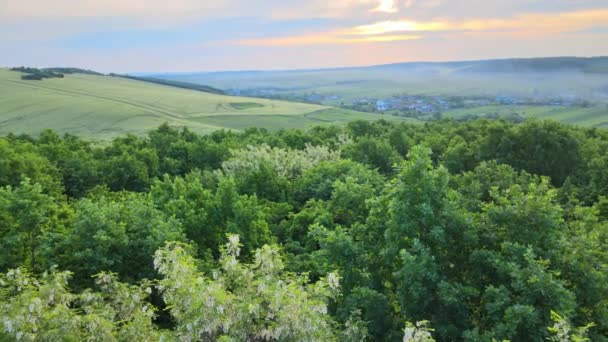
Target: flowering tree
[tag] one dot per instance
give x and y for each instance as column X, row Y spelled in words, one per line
column 238, row 302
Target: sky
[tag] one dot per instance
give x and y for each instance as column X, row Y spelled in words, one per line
column 211, row 35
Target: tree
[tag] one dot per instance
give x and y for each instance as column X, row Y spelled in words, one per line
column 543, row 148
column 474, row 276
column 26, row 214
column 128, row 164
column 348, row 201
column 318, row 182
column 562, row 331
column 267, row 171
column 255, row 302
column 21, row 160
column 207, row 216
column 375, row 152
column 75, row 160
column 244, row 302
column 117, row 234
column 43, row 309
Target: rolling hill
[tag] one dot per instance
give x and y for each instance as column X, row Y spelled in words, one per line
column 579, row 79
column 101, row 107
column 582, row 76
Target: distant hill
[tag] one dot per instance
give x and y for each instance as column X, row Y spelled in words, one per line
column 542, row 65
column 388, row 79
column 101, row 107
column 575, row 79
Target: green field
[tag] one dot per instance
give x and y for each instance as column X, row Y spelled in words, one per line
column 583, row 79
column 316, row 118
column 102, row 107
column 590, row 116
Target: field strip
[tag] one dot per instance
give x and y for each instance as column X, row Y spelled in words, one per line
column 183, row 122
column 316, row 112
column 159, row 111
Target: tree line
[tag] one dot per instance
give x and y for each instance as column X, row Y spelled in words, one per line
column 475, row 231
column 35, row 74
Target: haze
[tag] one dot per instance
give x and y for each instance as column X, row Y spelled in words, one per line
column 193, row 35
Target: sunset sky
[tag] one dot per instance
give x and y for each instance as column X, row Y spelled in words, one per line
column 204, row 35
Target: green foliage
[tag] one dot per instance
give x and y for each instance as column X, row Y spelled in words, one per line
column 20, row 160
column 80, row 170
column 117, row 234
column 43, row 309
column 348, row 201
column 236, row 302
column 477, row 228
column 266, row 170
column 318, row 182
column 530, row 217
column 177, row 84
column 375, row 311
column 375, row 152
column 244, row 302
column 420, row 332
column 181, row 152
column 26, row 215
column 37, row 74
column 129, row 165
column 544, row 148
column 562, row 332
column 207, row 216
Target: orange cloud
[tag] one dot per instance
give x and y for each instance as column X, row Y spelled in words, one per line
column 402, row 30
column 533, row 23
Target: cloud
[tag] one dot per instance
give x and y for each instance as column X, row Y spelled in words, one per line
column 218, row 34
column 535, row 23
column 104, row 8
column 398, row 30
column 399, row 26
column 387, row 6
column 180, row 10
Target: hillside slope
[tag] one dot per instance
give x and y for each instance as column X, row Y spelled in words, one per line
column 101, row 107
column 573, row 79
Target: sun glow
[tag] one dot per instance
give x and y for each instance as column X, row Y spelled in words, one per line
column 399, row 26
column 531, row 24
column 386, row 6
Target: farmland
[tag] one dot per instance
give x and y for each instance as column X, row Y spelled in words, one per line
column 572, row 90
column 102, row 107
column 596, row 116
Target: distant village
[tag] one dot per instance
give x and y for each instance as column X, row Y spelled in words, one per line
column 418, row 106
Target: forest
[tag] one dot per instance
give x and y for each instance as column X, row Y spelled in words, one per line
column 484, row 230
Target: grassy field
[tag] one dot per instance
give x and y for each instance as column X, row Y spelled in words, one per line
column 537, row 78
column 591, row 116
column 322, row 117
column 102, row 107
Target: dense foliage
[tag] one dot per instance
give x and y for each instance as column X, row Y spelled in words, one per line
column 477, row 231
column 178, row 84
column 40, row 74
column 37, row 74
